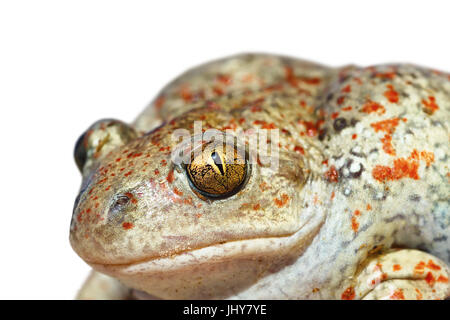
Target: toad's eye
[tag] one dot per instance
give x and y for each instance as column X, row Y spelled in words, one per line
column 219, row 171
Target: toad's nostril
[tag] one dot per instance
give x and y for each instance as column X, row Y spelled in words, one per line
column 121, row 201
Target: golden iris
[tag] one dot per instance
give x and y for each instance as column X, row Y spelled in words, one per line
column 219, row 171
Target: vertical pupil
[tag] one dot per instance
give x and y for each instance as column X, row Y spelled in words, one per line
column 218, row 161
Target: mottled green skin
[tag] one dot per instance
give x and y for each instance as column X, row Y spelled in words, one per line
column 314, row 222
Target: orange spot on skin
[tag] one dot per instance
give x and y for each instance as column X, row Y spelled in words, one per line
column 387, row 144
column 347, row 108
column 391, row 94
column 244, row 206
column 387, row 126
column 340, row 100
column 397, row 295
column 431, row 265
column 369, row 207
column 80, row 216
column 354, row 136
column 177, row 192
column 282, row 201
column 348, row 294
column 386, row 75
column 403, row 168
column 218, row 91
column 396, row 267
column 299, row 149
column 311, row 128
column 334, row 115
column 430, row 105
column 264, row 124
column 442, row 279
column 224, row 79
column 357, row 80
column 355, row 224
column 131, row 197
column 127, row 225
column 332, row 195
column 188, row 201
column 430, row 279
column 290, row 77
column 256, row 109
column 427, row 156
column 310, row 81
column 419, row 268
column 186, row 94
column 159, row 102
column 332, row 175
column 263, row 186
column 346, row 89
column 102, row 181
column 273, row 87
column 128, row 173
column 293, row 80
column 419, row 295
column 156, row 171
column 256, row 206
column 414, row 155
column 170, row 177
column 372, row 106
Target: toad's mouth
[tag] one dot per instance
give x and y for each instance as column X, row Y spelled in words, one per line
column 215, row 252
column 254, row 248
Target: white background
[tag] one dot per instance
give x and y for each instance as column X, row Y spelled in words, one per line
column 65, row 64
